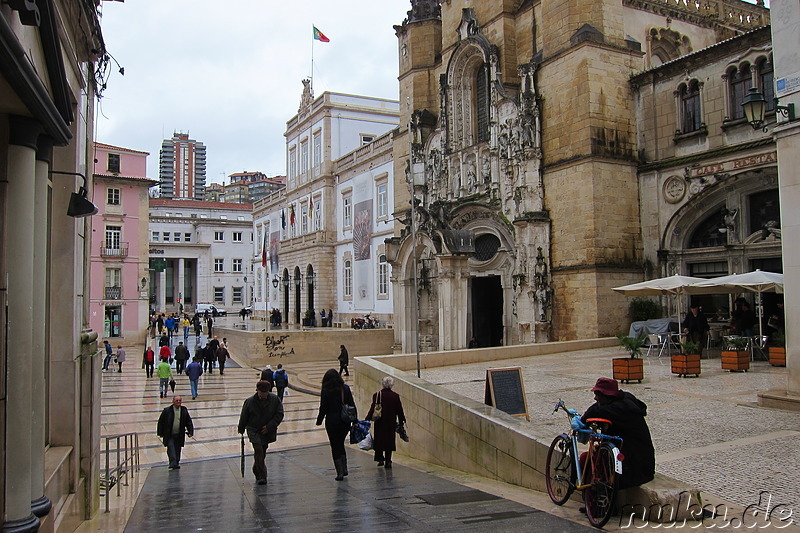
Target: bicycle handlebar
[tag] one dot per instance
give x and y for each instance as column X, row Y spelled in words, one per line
column 572, row 412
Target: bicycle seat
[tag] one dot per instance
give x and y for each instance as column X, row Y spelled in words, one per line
column 599, row 420
column 598, row 425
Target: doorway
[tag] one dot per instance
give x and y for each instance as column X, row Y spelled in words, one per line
column 487, row 311
column 112, row 321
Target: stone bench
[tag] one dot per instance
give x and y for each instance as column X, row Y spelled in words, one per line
column 663, row 500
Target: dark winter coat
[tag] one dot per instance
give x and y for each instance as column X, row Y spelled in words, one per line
column 181, row 353
column 330, row 406
column 391, row 413
column 164, row 428
column 626, row 414
column 222, row 354
column 257, row 413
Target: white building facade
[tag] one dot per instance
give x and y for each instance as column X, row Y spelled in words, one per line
column 200, row 253
column 307, row 236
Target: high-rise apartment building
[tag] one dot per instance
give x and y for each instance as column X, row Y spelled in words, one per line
column 182, row 169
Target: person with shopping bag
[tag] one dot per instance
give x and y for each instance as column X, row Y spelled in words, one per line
column 385, row 412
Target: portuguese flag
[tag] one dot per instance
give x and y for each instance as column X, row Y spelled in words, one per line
column 318, row 35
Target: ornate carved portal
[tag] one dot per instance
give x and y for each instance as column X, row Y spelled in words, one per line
column 476, row 180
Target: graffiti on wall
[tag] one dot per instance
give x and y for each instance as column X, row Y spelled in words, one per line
column 277, row 346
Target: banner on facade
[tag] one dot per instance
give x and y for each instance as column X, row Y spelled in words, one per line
column 362, row 230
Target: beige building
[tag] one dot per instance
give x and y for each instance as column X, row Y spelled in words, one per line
column 53, row 63
column 525, row 161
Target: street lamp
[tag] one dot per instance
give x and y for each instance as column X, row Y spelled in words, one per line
column 297, row 281
column 286, row 282
column 275, row 281
column 755, row 105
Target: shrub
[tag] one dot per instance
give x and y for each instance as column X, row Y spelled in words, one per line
column 644, row 309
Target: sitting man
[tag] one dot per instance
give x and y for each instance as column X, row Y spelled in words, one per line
column 626, row 413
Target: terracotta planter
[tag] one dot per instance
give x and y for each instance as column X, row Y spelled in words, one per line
column 627, row 369
column 777, row 356
column 736, row 361
column 685, row 364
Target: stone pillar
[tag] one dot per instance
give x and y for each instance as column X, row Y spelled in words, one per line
column 161, row 292
column 453, row 302
column 40, row 504
column 181, row 282
column 20, row 210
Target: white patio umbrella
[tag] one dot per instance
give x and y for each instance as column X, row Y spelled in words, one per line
column 676, row 285
column 757, row 281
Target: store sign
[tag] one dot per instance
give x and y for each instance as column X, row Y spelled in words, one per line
column 788, row 85
column 733, row 165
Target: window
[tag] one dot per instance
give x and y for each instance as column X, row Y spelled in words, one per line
column 237, row 294
column 113, row 163
column 347, row 211
column 348, row 279
column 766, row 76
column 219, row 235
column 223, row 217
column 317, row 149
column 690, row 107
column 292, row 165
column 113, row 196
column 219, row 265
column 166, row 236
column 304, row 218
column 740, row 82
column 366, row 139
column 113, row 237
column 155, row 236
column 113, row 284
column 383, row 276
column 187, row 237
column 482, row 104
column 237, row 236
column 219, row 295
column 303, row 157
column 382, row 191
column 317, row 214
column 237, row 265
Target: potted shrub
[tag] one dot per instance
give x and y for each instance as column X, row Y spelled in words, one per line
column 687, row 362
column 626, row 369
column 777, row 351
column 735, row 356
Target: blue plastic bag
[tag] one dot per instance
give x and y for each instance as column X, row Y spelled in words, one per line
column 359, row 431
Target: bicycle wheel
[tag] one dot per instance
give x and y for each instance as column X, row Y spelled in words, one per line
column 560, row 470
column 599, row 497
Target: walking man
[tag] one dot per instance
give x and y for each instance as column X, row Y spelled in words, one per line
column 181, row 356
column 281, row 381
column 185, row 323
column 344, row 360
column 194, row 370
column 109, row 354
column 149, row 361
column 164, row 373
column 222, row 356
column 261, row 415
column 173, row 426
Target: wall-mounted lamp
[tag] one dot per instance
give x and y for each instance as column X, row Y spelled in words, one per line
column 79, row 205
column 286, row 281
column 275, row 281
column 755, row 105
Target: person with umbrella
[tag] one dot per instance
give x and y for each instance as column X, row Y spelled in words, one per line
column 261, row 415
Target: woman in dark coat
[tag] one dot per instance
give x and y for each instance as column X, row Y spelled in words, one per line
column 334, row 394
column 385, row 426
column 626, row 413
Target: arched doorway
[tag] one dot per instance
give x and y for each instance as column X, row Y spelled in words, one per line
column 310, row 286
column 297, row 284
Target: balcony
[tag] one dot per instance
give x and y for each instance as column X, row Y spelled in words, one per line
column 119, row 251
column 113, row 293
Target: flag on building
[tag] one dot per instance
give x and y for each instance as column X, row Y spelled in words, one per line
column 318, row 35
column 264, row 252
column 283, row 219
column 310, row 207
column 291, row 215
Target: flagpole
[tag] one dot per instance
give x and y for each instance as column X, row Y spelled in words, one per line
column 312, row 56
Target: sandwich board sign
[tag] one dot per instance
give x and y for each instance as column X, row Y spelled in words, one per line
column 506, row 391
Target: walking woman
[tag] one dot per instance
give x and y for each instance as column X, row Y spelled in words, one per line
column 391, row 412
column 334, row 394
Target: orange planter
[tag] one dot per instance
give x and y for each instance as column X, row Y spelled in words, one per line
column 627, row 369
column 777, row 356
column 685, row 364
column 736, row 361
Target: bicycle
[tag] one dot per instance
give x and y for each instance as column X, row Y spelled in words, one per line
column 599, row 474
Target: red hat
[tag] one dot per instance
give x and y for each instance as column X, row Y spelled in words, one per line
column 606, row 386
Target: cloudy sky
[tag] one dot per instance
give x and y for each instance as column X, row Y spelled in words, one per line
column 229, row 72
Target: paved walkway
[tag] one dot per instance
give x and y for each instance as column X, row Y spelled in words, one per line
column 707, row 431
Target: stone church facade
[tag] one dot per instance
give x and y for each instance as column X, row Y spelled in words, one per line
column 519, row 142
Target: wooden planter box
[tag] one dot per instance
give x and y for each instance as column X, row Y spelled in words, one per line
column 777, row 356
column 627, row 369
column 736, row 361
column 685, row 364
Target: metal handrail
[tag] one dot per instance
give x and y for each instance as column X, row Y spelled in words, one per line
column 127, row 462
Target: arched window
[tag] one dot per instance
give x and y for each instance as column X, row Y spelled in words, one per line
column 690, row 113
column 707, row 234
column 739, row 82
column 766, row 74
column 383, row 276
column 348, row 279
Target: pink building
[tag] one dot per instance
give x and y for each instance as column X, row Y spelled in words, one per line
column 118, row 308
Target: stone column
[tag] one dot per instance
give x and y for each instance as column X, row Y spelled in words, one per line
column 20, row 210
column 452, row 302
column 181, row 282
column 40, row 504
column 161, row 292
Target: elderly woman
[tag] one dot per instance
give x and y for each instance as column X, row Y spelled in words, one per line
column 384, row 429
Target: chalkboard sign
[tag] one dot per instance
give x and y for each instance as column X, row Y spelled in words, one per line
column 505, row 390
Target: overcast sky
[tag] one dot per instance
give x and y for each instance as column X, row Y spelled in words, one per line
column 229, row 73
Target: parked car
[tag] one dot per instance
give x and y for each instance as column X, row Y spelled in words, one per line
column 211, row 308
